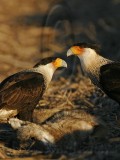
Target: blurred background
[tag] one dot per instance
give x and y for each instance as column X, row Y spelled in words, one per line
column 33, row 29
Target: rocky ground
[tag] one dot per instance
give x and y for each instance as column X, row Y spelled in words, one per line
column 81, row 121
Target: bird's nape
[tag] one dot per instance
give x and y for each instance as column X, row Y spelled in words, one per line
column 45, row 61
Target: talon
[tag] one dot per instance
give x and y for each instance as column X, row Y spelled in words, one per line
column 15, row 123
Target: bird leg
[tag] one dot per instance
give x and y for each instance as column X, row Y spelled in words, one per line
column 26, row 115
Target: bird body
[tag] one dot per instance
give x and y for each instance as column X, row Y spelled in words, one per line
column 110, row 80
column 21, row 92
column 93, row 64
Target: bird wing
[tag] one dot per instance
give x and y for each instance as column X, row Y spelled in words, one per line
column 21, row 88
column 110, row 80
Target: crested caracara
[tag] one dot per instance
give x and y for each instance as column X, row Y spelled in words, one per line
column 103, row 72
column 21, row 92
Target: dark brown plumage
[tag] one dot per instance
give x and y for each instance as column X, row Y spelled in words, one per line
column 103, row 72
column 21, row 92
column 110, row 80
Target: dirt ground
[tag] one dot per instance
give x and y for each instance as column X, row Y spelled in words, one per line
column 33, row 29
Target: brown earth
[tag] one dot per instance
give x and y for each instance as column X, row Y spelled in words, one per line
column 32, row 29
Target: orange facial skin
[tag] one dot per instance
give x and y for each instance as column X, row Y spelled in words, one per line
column 77, row 50
column 57, row 63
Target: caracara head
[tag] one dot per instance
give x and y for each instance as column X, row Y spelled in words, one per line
column 86, row 52
column 83, row 49
column 47, row 66
column 51, row 62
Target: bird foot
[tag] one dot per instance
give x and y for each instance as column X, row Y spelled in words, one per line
column 16, row 123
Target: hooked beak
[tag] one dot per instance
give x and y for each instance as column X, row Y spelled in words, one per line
column 64, row 64
column 69, row 53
